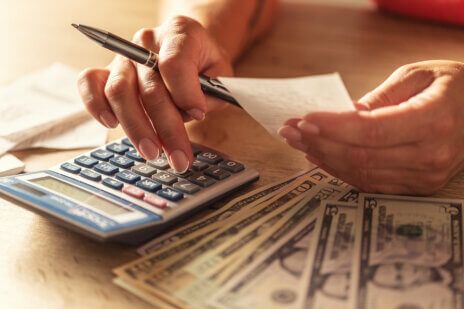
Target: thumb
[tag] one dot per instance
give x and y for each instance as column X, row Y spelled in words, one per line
column 404, row 83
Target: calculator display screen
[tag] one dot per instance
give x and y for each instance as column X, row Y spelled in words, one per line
column 80, row 195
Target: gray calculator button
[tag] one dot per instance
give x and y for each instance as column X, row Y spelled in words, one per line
column 202, row 180
column 144, row 170
column 85, row 161
column 101, row 154
column 122, row 162
column 181, row 175
column 199, row 166
column 160, row 163
column 232, row 166
column 117, row 148
column 186, row 187
column 148, row 185
column 71, row 168
column 91, row 175
column 217, row 173
column 209, row 157
column 113, row 183
column 128, row 177
column 106, row 168
column 165, row 178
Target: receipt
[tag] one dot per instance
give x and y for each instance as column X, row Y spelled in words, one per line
column 272, row 101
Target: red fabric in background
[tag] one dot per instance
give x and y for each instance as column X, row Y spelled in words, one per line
column 451, row 11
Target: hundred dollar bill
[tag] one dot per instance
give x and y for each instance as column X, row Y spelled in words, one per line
column 202, row 225
column 305, row 208
column 173, row 276
column 145, row 266
column 408, row 253
column 273, row 279
column 326, row 278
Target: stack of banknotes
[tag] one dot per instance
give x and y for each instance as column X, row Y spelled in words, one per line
column 309, row 241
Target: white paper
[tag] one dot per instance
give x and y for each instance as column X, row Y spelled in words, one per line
column 44, row 109
column 272, row 101
column 10, row 165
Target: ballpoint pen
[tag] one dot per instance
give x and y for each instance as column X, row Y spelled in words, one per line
column 210, row 86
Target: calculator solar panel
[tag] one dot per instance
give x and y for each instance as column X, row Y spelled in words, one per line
column 113, row 194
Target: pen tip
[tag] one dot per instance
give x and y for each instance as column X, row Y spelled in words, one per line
column 75, row 26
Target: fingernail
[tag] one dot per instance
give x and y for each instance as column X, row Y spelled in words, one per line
column 308, row 127
column 196, row 114
column 179, row 161
column 290, row 133
column 148, row 149
column 108, row 120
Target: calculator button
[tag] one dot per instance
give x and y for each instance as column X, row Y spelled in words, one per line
column 231, row 166
column 170, row 194
column 106, row 168
column 133, row 191
column 199, row 166
column 160, row 163
column 134, row 155
column 144, row 170
column 128, row 176
column 182, row 175
column 118, row 148
column 186, row 187
column 196, row 150
column 217, row 173
column 127, row 142
column 71, row 168
column 85, row 161
column 122, row 162
column 113, row 183
column 101, row 154
column 202, row 180
column 209, row 157
column 148, row 185
column 155, row 201
column 165, row 178
column 91, row 175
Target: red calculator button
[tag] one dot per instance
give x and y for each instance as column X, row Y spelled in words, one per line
column 155, row 201
column 133, row 191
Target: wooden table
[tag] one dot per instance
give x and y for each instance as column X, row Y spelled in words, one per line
column 44, row 265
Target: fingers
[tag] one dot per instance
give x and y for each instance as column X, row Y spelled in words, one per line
column 403, row 84
column 91, row 84
column 121, row 91
column 179, row 64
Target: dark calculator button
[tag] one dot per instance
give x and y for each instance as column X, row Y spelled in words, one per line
column 165, row 178
column 113, row 183
column 144, row 170
column 202, row 180
column 170, row 194
column 128, row 176
column 134, row 155
column 160, row 163
column 127, row 142
column 101, row 154
column 91, row 175
column 186, row 187
column 217, row 173
column 209, row 157
column 122, row 162
column 71, row 168
column 199, row 166
column 118, row 148
column 231, row 166
column 148, row 185
column 181, row 175
column 85, row 161
column 106, row 168
column 196, row 150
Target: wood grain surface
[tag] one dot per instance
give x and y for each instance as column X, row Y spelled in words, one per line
column 46, row 266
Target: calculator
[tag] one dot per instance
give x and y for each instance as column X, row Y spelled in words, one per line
column 112, row 194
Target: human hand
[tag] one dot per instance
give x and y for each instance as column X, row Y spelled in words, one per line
column 152, row 106
column 406, row 136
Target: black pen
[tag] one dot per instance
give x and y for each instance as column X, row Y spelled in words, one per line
column 148, row 58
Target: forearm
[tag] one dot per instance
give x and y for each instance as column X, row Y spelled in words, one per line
column 234, row 24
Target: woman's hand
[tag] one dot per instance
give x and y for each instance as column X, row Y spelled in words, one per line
column 152, row 106
column 406, row 137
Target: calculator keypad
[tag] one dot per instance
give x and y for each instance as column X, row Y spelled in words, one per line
column 151, row 181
